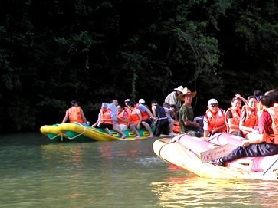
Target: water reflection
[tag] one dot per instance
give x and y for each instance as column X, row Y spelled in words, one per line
column 193, row 191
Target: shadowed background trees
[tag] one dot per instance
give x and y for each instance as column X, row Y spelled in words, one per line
column 54, row 51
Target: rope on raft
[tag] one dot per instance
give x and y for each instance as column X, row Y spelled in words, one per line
column 84, row 129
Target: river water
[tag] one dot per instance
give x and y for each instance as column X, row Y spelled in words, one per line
column 36, row 172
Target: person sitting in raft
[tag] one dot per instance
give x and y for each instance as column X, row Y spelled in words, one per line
column 214, row 119
column 75, row 114
column 249, row 117
column 104, row 119
column 114, row 116
column 162, row 121
column 186, row 115
column 232, row 117
column 134, row 118
column 122, row 117
column 262, row 143
column 258, row 94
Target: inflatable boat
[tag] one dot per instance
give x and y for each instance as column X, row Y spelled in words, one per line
column 194, row 155
column 84, row 133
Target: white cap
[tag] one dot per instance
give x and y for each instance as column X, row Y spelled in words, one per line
column 142, row 101
column 127, row 100
column 212, row 101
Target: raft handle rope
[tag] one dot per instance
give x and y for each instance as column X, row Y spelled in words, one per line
column 57, row 136
column 84, row 129
column 270, row 167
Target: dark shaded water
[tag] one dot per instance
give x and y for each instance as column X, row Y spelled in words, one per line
column 118, row 174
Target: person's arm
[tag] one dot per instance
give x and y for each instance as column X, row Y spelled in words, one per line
column 242, row 98
column 83, row 117
column 219, row 128
column 154, row 110
column 188, row 122
column 66, row 117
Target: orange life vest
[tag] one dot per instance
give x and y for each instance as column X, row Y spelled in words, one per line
column 75, row 115
column 144, row 114
column 105, row 116
column 123, row 115
column 233, row 125
column 215, row 120
column 251, row 118
column 133, row 117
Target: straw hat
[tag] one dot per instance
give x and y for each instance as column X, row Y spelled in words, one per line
column 186, row 91
column 180, row 88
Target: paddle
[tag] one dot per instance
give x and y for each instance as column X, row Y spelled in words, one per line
column 217, row 152
column 270, row 167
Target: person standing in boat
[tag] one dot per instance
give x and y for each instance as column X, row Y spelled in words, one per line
column 261, row 143
column 173, row 97
column 186, row 115
column 162, row 121
column 75, row 114
column 214, row 119
column 147, row 116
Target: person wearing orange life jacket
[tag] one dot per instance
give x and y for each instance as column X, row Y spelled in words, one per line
column 147, row 116
column 114, row 116
column 75, row 114
column 122, row 117
column 105, row 120
column 232, row 117
column 214, row 119
column 134, row 118
column 262, row 143
column 249, row 116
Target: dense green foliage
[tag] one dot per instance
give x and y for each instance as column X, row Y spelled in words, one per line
column 54, row 51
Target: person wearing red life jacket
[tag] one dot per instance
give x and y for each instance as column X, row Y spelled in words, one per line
column 232, row 117
column 134, row 118
column 122, row 117
column 75, row 114
column 249, row 116
column 214, row 119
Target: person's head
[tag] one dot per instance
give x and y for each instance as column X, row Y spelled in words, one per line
column 258, row 94
column 236, row 102
column 154, row 102
column 274, row 94
column 166, row 105
column 178, row 90
column 142, row 101
column 213, row 105
column 127, row 100
column 252, row 101
column 115, row 102
column 74, row 103
column 186, row 96
column 120, row 108
column 130, row 104
column 104, row 106
column 267, row 101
